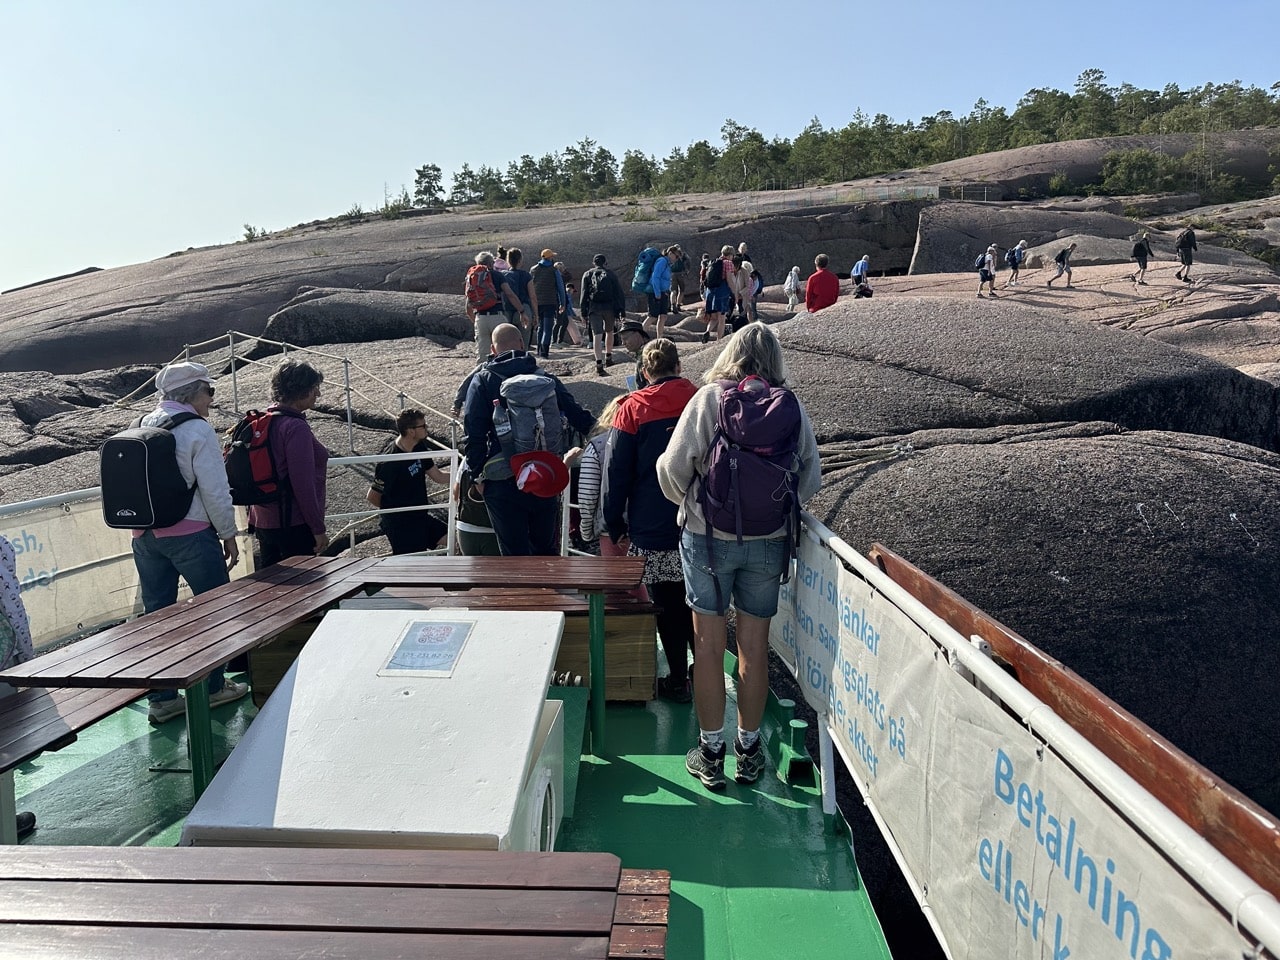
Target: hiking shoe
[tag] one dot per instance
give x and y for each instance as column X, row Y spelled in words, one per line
column 608, row 359
column 600, row 370
column 675, row 691
column 706, row 767
column 1142, row 283
column 750, row 762
column 706, row 337
column 230, row 691
column 162, row 711
column 1178, row 274
column 1187, row 280
column 979, row 296
column 993, row 294
column 26, row 824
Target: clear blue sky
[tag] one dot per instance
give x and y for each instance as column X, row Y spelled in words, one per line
column 134, row 128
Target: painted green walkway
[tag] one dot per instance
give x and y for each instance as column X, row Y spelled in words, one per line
column 753, row 873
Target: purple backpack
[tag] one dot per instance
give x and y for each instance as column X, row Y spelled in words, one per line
column 749, row 485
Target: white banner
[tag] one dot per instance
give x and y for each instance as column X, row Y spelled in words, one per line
column 77, row 574
column 1018, row 856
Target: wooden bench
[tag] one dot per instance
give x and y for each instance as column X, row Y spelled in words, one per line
column 156, row 903
column 36, row 719
column 630, row 629
column 179, row 646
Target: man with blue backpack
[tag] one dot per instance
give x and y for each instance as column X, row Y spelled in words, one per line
column 652, row 279
column 513, row 421
column 1014, row 257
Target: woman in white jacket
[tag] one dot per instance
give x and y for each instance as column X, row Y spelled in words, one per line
column 201, row 547
column 721, row 570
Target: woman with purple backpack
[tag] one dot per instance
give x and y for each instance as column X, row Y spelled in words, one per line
column 743, row 423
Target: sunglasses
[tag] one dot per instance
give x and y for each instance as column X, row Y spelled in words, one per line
column 209, row 388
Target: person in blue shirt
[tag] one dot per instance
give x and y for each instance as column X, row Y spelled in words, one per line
column 860, row 275
column 660, row 280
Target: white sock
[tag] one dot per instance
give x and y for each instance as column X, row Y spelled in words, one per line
column 712, row 740
column 748, row 738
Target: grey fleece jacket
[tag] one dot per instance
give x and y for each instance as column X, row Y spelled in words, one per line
column 682, row 462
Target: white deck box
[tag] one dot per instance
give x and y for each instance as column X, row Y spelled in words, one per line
column 384, row 734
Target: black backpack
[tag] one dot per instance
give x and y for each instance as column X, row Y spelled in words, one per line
column 142, row 487
column 602, row 286
column 1183, row 241
column 1061, row 257
column 715, row 273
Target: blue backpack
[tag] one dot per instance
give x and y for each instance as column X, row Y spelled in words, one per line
column 1011, row 256
column 642, row 282
column 981, row 262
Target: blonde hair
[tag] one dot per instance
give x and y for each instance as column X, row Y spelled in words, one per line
column 752, row 350
column 605, row 420
column 659, row 358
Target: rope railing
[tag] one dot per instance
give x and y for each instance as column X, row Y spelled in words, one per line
column 349, row 391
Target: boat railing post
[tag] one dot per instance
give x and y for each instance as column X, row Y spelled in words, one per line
column 453, row 504
column 186, row 351
column 346, row 386
column 235, row 383
column 826, row 758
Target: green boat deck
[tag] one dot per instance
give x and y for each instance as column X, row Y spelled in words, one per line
column 755, row 870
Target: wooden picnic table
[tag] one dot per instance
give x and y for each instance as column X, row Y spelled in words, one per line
column 178, row 646
column 158, row 903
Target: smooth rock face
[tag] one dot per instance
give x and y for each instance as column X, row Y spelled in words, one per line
column 1145, row 561
column 953, row 235
column 1030, row 168
column 886, row 367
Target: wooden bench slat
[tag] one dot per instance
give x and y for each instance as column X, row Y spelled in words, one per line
column 642, row 909
column 45, row 942
column 642, row 882
column 586, row 573
column 302, row 866
column 52, row 717
column 286, row 906
column 514, row 598
column 638, row 941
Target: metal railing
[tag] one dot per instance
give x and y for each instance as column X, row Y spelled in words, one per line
column 236, row 339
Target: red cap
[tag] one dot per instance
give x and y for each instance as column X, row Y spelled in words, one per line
column 540, row 473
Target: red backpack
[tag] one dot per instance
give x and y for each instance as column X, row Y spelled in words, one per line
column 479, row 288
column 251, row 466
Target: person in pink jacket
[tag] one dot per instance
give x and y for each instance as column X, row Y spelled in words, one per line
column 294, row 526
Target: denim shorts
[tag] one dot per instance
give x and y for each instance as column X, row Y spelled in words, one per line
column 749, row 574
column 719, row 300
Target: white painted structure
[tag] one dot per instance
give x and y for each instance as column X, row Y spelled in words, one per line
column 347, row 752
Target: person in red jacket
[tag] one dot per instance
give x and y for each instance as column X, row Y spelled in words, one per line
column 822, row 289
column 635, row 506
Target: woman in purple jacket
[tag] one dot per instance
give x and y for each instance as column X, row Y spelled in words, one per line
column 293, row 527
